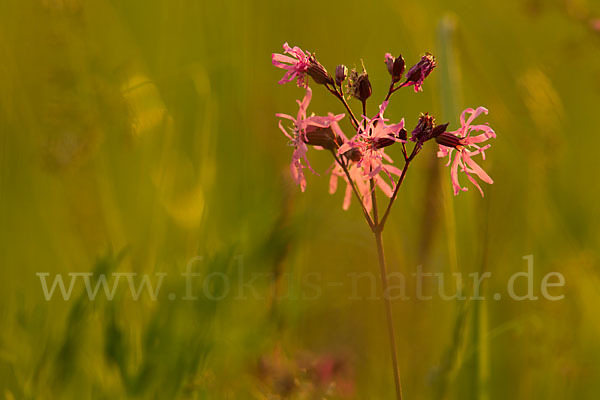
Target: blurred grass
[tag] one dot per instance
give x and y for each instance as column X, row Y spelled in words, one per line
column 150, row 127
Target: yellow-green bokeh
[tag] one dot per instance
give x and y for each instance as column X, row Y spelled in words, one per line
column 136, row 135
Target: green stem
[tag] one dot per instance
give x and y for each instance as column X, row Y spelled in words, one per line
column 388, row 313
column 340, row 95
column 377, row 231
column 400, row 180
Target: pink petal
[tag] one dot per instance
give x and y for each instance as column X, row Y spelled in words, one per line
column 338, row 131
column 282, row 61
column 454, row 176
column 304, row 104
column 474, row 182
column 347, row 197
column 477, row 169
column 284, row 131
column 475, row 114
column 392, row 169
column 333, row 182
column 344, row 148
column 385, row 188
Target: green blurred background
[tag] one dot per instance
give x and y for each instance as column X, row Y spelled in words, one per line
column 136, row 135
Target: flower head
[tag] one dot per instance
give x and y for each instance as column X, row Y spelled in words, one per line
column 300, row 64
column 313, row 130
column 461, row 145
column 367, row 147
column 421, row 70
column 297, row 65
column 367, row 159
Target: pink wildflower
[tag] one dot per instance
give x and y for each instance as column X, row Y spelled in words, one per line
column 371, row 140
column 296, row 66
column 298, row 136
column 457, row 144
column 365, row 153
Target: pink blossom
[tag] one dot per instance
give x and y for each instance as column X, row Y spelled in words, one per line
column 368, row 159
column 296, row 66
column 298, row 138
column 458, row 144
column 373, row 135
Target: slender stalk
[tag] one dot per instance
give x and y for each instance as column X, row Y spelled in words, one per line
column 374, row 204
column 388, row 312
column 407, row 162
column 390, row 91
column 393, row 89
column 339, row 94
column 377, row 231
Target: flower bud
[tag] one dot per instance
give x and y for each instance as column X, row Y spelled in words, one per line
column 398, row 68
column 341, row 72
column 364, row 87
column 395, row 66
column 318, row 72
column 402, row 134
column 389, row 62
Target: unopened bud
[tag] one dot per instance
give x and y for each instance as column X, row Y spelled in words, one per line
column 402, row 134
column 398, row 68
column 341, row 72
column 364, row 87
column 389, row 62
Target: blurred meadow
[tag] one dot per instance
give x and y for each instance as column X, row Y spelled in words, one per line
column 135, row 136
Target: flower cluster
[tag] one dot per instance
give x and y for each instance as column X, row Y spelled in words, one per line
column 360, row 159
